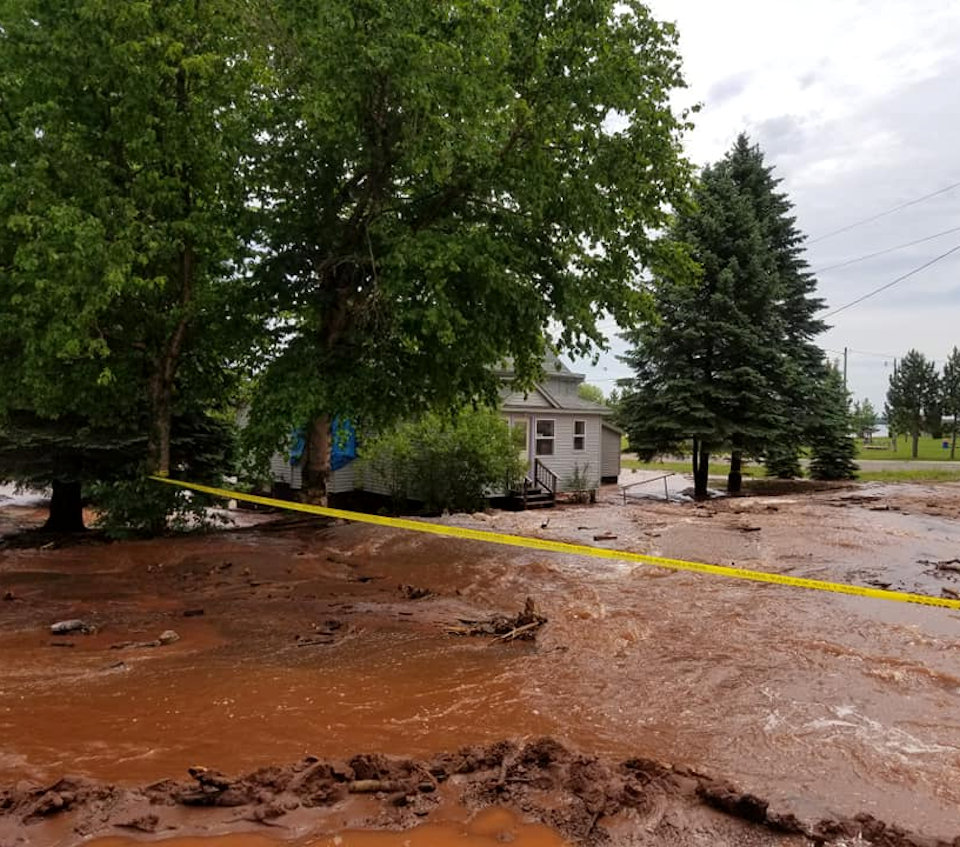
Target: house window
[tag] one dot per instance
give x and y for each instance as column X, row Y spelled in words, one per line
column 579, row 435
column 545, row 436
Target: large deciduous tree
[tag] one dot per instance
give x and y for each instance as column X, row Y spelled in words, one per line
column 730, row 361
column 124, row 138
column 451, row 183
column 911, row 395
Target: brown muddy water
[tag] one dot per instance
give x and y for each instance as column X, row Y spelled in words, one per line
column 490, row 827
column 824, row 705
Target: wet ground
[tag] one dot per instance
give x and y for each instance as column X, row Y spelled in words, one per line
column 825, row 706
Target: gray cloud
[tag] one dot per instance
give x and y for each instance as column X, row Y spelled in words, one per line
column 847, row 150
column 728, row 88
column 780, row 136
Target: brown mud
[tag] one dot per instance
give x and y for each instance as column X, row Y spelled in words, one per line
column 583, row 799
column 322, row 641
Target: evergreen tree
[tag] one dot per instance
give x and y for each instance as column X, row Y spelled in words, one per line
column 783, row 461
column 730, row 362
column 75, row 459
column 832, row 448
column 933, row 411
column 801, row 371
column 864, row 418
column 911, row 396
column 950, row 395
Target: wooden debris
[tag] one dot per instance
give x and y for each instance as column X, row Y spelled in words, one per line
column 412, row 592
column 522, row 627
column 951, row 592
column 372, row 786
column 516, row 633
column 604, row 537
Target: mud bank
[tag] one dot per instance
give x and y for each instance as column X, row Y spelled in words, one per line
column 584, row 799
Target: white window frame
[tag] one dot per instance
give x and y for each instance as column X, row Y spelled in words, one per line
column 579, row 436
column 550, row 440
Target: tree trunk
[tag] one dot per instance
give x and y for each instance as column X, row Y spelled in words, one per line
column 701, row 474
column 953, row 444
column 735, row 477
column 316, row 466
column 916, row 444
column 66, row 509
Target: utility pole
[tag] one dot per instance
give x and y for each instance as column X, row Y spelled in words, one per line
column 844, row 367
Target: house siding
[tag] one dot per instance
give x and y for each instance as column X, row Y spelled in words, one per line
column 341, row 481
column 282, row 471
column 565, row 458
column 532, row 400
column 610, row 453
column 561, row 387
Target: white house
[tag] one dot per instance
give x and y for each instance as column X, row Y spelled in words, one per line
column 572, row 438
column 570, row 443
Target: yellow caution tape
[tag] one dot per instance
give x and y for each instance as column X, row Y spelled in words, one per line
column 573, row 549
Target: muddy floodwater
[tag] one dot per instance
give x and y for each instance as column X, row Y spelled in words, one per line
column 303, row 641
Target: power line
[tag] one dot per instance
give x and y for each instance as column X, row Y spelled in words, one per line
column 884, row 213
column 876, row 291
column 884, row 252
column 878, row 355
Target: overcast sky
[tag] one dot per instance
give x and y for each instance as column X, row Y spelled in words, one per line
column 857, row 105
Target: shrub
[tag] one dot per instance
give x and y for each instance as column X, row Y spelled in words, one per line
column 446, row 462
column 580, row 484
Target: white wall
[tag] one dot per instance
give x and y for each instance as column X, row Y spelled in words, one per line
column 564, row 457
column 610, row 453
column 282, row 471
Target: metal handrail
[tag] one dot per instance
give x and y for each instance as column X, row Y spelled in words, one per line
column 543, row 476
column 666, row 491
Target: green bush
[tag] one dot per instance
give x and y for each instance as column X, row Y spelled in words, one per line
column 446, row 462
column 580, row 483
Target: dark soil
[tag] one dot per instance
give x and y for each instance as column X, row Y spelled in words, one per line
column 587, row 800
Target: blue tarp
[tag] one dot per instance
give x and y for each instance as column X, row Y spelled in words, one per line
column 344, row 447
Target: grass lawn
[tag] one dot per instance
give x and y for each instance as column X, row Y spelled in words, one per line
column 916, row 474
column 929, row 448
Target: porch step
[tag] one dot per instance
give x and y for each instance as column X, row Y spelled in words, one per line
column 538, row 499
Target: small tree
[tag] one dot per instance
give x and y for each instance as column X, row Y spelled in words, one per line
column 446, row 463
column 911, row 396
column 950, row 395
column 831, row 446
column 586, row 391
column 864, row 419
column 933, row 411
column 783, row 462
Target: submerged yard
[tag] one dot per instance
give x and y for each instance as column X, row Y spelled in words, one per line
column 653, row 707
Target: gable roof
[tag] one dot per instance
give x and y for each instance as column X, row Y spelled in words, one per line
column 553, row 369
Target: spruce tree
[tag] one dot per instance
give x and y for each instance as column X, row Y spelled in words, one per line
column 832, row 447
column 731, row 361
column 950, row 395
column 911, row 396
